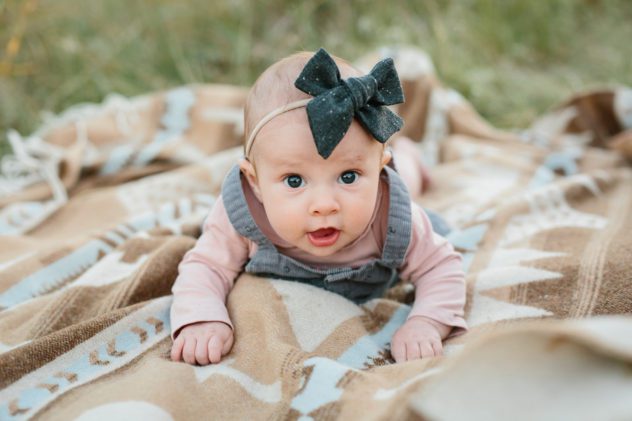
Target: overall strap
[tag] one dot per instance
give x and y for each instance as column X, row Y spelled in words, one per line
column 238, row 210
column 398, row 232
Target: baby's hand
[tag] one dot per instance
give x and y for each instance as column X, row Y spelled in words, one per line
column 417, row 338
column 201, row 343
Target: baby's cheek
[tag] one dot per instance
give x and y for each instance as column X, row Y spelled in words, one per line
column 286, row 222
column 359, row 214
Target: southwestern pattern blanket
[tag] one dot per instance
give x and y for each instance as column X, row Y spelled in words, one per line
column 98, row 207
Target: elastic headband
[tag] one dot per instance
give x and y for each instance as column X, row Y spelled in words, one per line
column 287, row 107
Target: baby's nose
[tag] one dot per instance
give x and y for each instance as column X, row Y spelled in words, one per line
column 324, row 205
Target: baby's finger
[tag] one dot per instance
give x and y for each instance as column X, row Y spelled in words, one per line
column 426, row 349
column 228, row 344
column 188, row 351
column 201, row 352
column 412, row 351
column 398, row 351
column 437, row 347
column 215, row 349
column 176, row 349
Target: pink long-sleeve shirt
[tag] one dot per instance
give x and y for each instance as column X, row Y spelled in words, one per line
column 207, row 271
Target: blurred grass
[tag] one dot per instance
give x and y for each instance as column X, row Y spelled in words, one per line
column 512, row 59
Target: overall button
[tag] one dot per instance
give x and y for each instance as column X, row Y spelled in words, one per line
column 391, row 229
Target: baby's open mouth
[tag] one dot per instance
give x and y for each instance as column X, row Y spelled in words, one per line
column 323, row 237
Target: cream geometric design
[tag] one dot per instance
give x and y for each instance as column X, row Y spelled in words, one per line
column 384, row 394
column 150, row 192
column 511, row 275
column 480, row 187
column 269, row 393
column 549, row 210
column 504, row 271
column 108, row 270
column 126, row 410
column 505, row 257
column 487, row 310
column 313, row 323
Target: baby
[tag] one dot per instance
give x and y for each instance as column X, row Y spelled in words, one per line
column 314, row 201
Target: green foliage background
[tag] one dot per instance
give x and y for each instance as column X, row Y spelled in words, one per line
column 512, row 59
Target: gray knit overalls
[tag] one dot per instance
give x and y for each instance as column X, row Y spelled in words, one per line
column 357, row 284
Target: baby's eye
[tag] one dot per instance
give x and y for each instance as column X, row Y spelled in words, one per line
column 294, row 181
column 348, row 177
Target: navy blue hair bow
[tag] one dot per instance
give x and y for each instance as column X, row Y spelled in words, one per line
column 337, row 101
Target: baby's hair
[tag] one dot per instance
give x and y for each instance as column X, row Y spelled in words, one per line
column 275, row 88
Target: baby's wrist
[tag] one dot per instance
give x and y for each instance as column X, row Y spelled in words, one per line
column 201, row 323
column 222, row 322
column 442, row 329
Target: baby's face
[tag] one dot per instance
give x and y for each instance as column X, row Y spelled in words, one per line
column 318, row 205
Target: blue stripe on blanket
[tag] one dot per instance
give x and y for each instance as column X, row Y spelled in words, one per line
column 71, row 266
column 55, row 274
column 321, row 386
column 175, row 122
column 140, row 331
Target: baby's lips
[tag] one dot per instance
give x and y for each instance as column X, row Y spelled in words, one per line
column 323, row 232
column 323, row 237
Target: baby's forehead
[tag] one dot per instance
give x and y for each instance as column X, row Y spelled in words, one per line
column 275, row 87
column 288, row 139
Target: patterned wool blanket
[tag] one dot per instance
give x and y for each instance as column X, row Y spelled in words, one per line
column 100, row 204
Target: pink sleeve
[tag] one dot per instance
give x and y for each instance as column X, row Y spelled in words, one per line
column 436, row 270
column 207, row 272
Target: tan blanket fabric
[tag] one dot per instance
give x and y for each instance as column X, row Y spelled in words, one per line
column 101, row 203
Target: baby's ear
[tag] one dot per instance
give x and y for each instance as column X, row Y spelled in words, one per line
column 387, row 155
column 249, row 171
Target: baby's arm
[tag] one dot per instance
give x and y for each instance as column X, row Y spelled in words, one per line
column 200, row 325
column 436, row 270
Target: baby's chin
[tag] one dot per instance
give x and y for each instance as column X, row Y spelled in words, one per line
column 321, row 251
